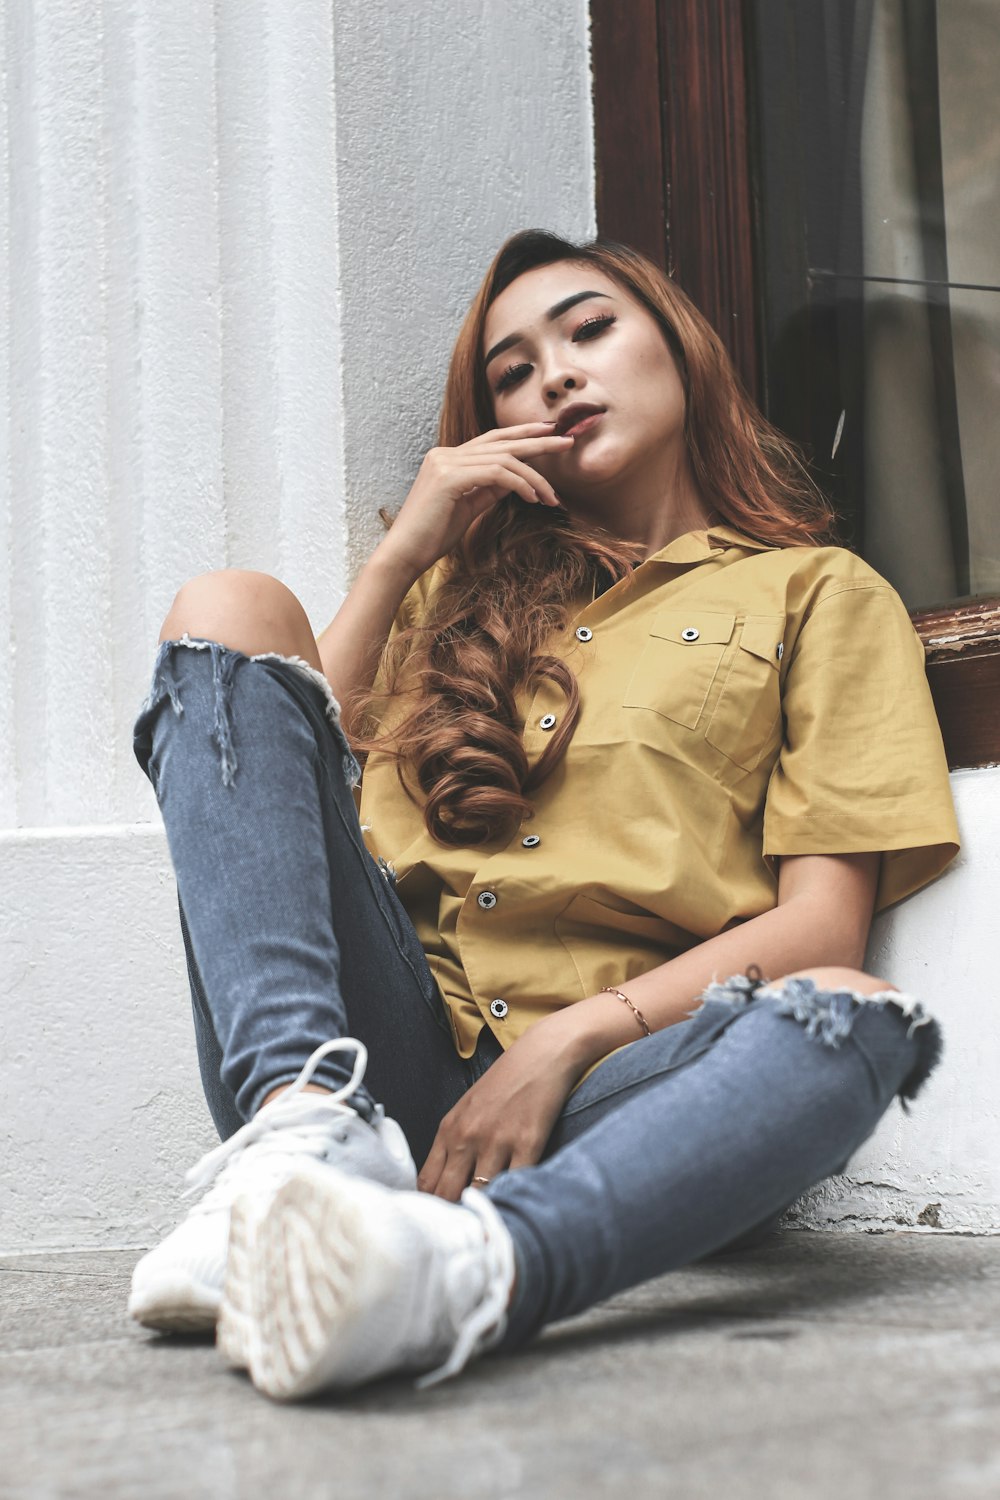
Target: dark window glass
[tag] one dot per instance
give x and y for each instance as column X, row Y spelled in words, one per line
column 877, row 167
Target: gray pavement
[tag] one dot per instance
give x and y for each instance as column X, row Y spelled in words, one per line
column 847, row 1365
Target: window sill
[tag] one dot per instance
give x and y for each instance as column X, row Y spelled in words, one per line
column 962, row 643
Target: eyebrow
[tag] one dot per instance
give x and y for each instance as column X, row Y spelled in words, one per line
column 555, row 311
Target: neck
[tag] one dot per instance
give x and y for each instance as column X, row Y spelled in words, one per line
column 652, row 508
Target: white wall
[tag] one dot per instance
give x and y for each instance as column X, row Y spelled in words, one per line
column 240, row 241
column 238, row 248
column 942, row 1161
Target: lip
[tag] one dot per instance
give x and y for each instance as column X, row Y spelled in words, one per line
column 578, row 418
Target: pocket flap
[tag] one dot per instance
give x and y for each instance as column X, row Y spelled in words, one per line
column 761, row 636
column 679, row 625
column 600, row 918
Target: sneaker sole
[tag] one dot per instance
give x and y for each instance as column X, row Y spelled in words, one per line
column 306, row 1307
column 176, row 1307
column 233, row 1330
column 235, row 1326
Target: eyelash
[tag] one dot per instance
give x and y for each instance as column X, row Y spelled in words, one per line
column 514, row 373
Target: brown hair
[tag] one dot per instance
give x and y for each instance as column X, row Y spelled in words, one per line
column 509, row 583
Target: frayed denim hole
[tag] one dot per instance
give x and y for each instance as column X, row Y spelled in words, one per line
column 163, row 688
column 163, row 683
column 930, row 1044
column 223, row 667
column 352, row 770
column 733, row 994
column 830, row 1015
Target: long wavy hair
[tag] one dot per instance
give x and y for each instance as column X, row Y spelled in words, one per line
column 456, row 675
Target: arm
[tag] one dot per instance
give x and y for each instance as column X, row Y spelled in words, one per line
column 823, row 915
column 352, row 644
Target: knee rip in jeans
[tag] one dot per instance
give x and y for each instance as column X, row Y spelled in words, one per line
column 224, row 660
column 830, row 1015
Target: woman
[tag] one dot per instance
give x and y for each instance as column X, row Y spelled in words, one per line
column 637, row 726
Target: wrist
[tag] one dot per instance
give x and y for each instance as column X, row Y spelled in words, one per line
column 393, row 566
column 589, row 1029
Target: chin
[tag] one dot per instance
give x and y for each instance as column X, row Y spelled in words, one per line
column 595, row 474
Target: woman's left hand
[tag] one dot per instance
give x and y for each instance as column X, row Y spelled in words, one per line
column 507, row 1116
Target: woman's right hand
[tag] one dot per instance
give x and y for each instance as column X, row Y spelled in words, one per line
column 457, row 485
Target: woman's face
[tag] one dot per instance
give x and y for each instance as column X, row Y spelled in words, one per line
column 565, row 342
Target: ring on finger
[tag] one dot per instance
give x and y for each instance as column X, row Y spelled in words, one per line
column 483, row 1180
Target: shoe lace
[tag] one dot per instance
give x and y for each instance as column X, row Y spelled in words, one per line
column 278, row 1129
column 483, row 1326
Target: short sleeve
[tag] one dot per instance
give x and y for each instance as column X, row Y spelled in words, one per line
column 862, row 766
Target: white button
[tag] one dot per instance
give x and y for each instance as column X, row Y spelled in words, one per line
column 531, row 840
column 547, row 721
column 498, row 1008
column 690, row 634
column 486, row 900
column 584, row 634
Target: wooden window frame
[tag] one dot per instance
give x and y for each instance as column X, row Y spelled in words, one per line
column 674, row 179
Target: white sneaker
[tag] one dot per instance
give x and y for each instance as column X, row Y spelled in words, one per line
column 345, row 1282
column 177, row 1286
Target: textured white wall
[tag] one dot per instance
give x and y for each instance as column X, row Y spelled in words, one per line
column 174, row 358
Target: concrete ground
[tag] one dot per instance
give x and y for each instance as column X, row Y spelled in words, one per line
column 814, row 1365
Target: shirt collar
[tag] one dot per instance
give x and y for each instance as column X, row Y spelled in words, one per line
column 695, row 546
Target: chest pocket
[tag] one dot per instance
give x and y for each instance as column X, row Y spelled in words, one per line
column 679, row 663
column 746, row 721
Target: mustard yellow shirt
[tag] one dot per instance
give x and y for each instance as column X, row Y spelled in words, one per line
column 738, row 702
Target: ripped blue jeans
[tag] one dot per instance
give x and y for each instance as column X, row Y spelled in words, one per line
column 675, row 1147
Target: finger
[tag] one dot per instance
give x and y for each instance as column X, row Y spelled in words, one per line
column 526, row 1154
column 457, row 1173
column 537, row 480
column 504, row 475
column 430, row 1173
column 508, row 473
column 489, row 1166
column 520, row 429
column 552, row 443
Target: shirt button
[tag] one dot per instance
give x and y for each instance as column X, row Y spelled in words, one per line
column 690, row 634
column 547, row 721
column 498, row 1008
column 486, row 900
column 781, row 650
column 584, row 634
column 531, row 840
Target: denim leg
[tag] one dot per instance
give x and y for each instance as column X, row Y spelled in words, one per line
column 292, row 932
column 680, row 1144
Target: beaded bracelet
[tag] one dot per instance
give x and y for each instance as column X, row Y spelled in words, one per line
column 609, row 989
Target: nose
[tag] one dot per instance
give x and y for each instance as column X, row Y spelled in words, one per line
column 555, row 388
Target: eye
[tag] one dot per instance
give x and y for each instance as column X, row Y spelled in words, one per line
column 591, row 327
column 511, row 376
